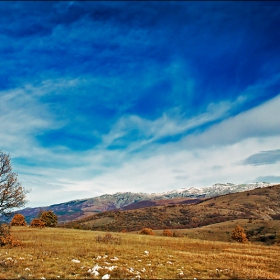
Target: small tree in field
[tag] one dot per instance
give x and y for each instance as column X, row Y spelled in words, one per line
column 146, row 231
column 12, row 194
column 18, row 220
column 239, row 235
column 49, row 218
column 37, row 223
column 167, row 232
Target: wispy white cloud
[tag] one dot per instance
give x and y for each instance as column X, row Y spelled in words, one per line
column 162, row 167
column 260, row 121
column 168, row 124
column 109, row 96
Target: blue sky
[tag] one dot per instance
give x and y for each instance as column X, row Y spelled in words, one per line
column 105, row 97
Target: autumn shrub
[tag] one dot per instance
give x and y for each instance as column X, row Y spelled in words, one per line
column 167, row 232
column 108, row 238
column 37, row 223
column 239, row 235
column 49, row 218
column 18, row 220
column 146, row 231
column 5, row 237
column 177, row 234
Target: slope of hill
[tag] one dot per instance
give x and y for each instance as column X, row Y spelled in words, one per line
column 76, row 209
column 261, row 204
column 257, row 231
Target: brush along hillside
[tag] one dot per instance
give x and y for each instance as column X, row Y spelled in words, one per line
column 56, row 253
column 257, row 204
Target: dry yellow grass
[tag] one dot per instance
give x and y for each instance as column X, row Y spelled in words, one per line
column 68, row 253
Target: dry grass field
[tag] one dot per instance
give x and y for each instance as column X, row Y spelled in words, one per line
column 76, row 254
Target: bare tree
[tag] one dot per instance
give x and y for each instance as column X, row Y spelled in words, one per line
column 12, row 194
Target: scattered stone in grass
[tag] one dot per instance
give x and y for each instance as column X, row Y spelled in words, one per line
column 110, row 268
column 106, row 276
column 131, row 270
column 146, row 252
column 114, row 259
column 75, row 261
column 94, row 270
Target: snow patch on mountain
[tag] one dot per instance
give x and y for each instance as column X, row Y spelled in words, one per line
column 215, row 190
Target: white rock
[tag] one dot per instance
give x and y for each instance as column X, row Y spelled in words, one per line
column 95, row 273
column 106, row 276
column 96, row 267
column 110, row 268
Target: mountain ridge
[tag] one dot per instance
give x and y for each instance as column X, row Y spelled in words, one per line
column 79, row 208
column 260, row 204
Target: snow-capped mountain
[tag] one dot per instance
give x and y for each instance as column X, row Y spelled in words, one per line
column 215, row 190
column 83, row 207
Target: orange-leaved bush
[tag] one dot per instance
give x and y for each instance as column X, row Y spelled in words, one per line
column 5, row 237
column 18, row 220
column 37, row 223
column 167, row 232
column 239, row 235
column 147, row 231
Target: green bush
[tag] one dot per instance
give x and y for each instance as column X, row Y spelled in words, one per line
column 49, row 218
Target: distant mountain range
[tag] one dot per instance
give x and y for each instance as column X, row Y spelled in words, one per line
column 75, row 209
column 254, row 206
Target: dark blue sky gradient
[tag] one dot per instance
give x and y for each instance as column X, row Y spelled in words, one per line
column 109, row 75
